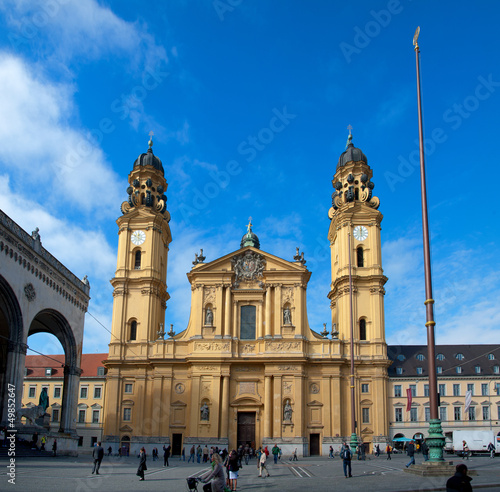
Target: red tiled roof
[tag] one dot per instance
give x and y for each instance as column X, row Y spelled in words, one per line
column 36, row 365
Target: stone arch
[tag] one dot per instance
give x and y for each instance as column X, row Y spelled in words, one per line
column 53, row 322
column 12, row 348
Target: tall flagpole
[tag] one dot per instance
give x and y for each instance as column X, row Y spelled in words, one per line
column 436, row 440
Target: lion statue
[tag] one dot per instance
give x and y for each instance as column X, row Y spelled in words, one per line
column 31, row 413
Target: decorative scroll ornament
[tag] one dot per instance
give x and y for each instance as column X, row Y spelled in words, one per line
column 29, row 292
column 247, row 267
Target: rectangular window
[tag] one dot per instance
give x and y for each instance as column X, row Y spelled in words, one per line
column 419, row 370
column 456, row 390
column 93, row 441
column 426, row 390
column 97, row 392
column 81, row 416
column 366, row 415
column 127, row 414
column 55, row 415
column 413, row 414
column 398, row 412
column 247, row 326
column 95, row 416
column 442, row 389
column 32, row 392
column 457, row 413
column 84, row 391
column 399, row 370
column 486, row 413
column 364, row 388
column 413, row 388
column 472, row 413
column 484, row 389
column 397, row 390
column 442, row 414
column 57, row 392
column 470, row 387
column 128, row 387
column 427, row 414
column 100, row 371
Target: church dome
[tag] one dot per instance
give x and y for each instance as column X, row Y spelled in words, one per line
column 351, row 154
column 149, row 159
column 250, row 238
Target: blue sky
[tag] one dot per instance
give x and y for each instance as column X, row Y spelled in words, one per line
column 84, row 82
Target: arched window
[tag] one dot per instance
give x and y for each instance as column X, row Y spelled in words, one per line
column 133, row 330
column 359, row 255
column 137, row 263
column 362, row 329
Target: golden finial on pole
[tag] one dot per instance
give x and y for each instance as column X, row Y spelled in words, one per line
column 415, row 38
column 150, row 143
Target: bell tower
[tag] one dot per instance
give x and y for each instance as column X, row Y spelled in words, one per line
column 140, row 282
column 354, row 237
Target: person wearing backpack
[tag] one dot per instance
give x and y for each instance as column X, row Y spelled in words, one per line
column 346, row 459
column 388, row 450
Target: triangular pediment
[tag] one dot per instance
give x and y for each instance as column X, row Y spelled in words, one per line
column 223, row 264
column 125, row 428
column 366, row 430
column 178, row 403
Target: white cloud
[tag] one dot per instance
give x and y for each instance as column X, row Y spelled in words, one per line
column 64, row 30
column 39, row 147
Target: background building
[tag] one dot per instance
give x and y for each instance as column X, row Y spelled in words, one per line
column 47, row 372
column 460, row 368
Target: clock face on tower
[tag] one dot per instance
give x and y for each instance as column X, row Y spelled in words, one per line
column 360, row 233
column 138, row 237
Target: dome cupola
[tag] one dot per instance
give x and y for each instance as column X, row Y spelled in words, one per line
column 250, row 238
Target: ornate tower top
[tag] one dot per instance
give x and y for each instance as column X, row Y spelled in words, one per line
column 250, row 238
column 352, row 178
column 147, row 184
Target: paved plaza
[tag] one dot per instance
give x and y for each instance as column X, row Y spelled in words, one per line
column 315, row 474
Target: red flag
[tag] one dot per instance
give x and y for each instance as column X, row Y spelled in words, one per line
column 408, row 399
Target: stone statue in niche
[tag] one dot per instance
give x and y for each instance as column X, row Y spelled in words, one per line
column 205, row 412
column 209, row 317
column 287, row 316
column 287, row 411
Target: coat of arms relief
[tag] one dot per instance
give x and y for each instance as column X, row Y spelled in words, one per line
column 248, row 267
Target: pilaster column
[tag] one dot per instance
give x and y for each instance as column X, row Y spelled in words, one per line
column 260, row 305
column 269, row 308
column 278, row 406
column 225, row 408
column 298, row 417
column 195, row 406
column 299, row 296
column 268, row 406
column 226, row 330
column 236, row 320
column 278, row 312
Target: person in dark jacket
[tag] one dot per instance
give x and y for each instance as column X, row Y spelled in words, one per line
column 166, row 455
column 410, row 451
column 346, row 460
column 459, row 482
column 98, row 455
column 142, row 464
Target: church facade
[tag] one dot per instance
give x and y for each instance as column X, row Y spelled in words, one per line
column 248, row 368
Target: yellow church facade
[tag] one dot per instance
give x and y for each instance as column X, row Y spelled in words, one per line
column 248, row 368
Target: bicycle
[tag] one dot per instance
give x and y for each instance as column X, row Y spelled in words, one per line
column 192, row 484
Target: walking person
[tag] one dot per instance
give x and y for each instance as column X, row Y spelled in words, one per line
column 142, row 464
column 262, row 464
column 43, row 441
column 166, row 455
column 346, row 461
column 98, row 455
column 491, row 449
column 192, row 452
column 377, row 450
column 54, row 448
column 388, row 450
column 465, row 450
column 275, row 452
column 110, row 451
column 199, row 452
column 330, row 455
column 410, row 451
column 183, row 454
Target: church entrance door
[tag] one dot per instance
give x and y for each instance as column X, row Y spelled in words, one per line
column 314, row 444
column 176, row 444
column 246, row 428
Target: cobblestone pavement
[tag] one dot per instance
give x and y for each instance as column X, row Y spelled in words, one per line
column 315, row 474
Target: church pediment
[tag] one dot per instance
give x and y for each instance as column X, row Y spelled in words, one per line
column 315, row 403
column 125, row 428
column 178, row 403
